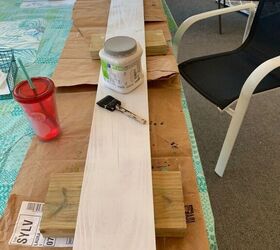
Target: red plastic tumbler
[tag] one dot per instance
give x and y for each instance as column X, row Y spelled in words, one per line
column 39, row 105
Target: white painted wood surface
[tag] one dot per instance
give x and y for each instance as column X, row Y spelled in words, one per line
column 116, row 206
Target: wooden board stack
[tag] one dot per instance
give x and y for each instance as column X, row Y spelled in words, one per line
column 96, row 44
column 61, row 205
column 155, row 43
column 62, row 201
column 170, row 218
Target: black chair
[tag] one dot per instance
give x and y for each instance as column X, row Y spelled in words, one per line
column 220, row 17
column 225, row 4
column 236, row 75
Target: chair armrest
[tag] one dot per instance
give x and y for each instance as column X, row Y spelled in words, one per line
column 257, row 75
column 193, row 19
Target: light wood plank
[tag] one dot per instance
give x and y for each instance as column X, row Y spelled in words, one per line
column 62, row 201
column 159, row 26
column 155, row 43
column 61, row 205
column 170, row 218
column 96, row 44
column 116, row 206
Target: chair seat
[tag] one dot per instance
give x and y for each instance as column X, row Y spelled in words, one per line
column 220, row 77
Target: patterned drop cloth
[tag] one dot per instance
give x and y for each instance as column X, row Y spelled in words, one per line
column 38, row 37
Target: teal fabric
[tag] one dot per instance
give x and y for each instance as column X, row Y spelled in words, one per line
column 200, row 178
column 38, row 37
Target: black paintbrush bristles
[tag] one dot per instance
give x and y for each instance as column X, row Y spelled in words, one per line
column 109, row 103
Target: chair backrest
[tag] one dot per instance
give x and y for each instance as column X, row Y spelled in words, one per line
column 264, row 37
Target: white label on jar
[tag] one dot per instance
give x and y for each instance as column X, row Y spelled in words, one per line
column 119, row 76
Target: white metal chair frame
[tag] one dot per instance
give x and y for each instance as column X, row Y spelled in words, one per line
column 248, row 88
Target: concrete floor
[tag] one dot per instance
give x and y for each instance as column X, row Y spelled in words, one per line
column 246, row 201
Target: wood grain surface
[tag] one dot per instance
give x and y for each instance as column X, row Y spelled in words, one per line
column 155, row 43
column 96, row 44
column 61, row 205
column 170, row 220
column 62, row 201
column 116, row 206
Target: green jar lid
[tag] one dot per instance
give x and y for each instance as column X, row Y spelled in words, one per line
column 120, row 46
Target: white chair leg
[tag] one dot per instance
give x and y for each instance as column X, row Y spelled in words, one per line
column 231, row 136
column 246, row 93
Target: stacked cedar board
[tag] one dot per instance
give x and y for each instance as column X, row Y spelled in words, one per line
column 170, row 145
column 155, row 43
column 62, row 202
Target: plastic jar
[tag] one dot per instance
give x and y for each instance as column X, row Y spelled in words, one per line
column 121, row 64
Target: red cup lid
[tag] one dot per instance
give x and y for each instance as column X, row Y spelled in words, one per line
column 44, row 87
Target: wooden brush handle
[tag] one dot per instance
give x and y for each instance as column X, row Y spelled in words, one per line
column 131, row 115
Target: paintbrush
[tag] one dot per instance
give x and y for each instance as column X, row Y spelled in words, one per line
column 110, row 103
